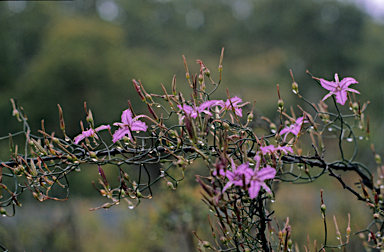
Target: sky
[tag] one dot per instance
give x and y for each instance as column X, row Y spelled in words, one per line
column 109, row 11
column 373, row 7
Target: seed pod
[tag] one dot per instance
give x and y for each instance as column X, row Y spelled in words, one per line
column 174, row 85
column 152, row 112
column 138, row 89
column 62, row 124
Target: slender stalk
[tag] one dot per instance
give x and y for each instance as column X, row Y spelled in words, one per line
column 261, row 210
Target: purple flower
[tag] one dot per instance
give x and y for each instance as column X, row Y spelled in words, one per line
column 272, row 149
column 194, row 111
column 339, row 88
column 238, row 175
column 127, row 125
column 188, row 110
column 257, row 181
column 257, row 158
column 243, row 176
column 235, row 103
column 90, row 133
column 293, row 128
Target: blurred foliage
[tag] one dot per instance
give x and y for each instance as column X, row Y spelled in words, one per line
column 88, row 51
column 163, row 224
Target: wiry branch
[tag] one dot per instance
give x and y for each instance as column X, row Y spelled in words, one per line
column 316, row 161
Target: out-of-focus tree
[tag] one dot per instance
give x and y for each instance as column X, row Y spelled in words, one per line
column 21, row 31
column 96, row 59
column 78, row 63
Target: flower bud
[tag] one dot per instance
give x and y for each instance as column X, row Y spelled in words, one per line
column 295, row 88
column 3, row 212
column 272, row 127
column 250, row 117
column 55, row 140
column 15, row 112
column 201, row 78
column 180, row 162
column 103, row 192
column 170, row 185
column 348, row 231
column 148, row 96
column 223, row 240
column 376, row 216
column 90, row 117
column 322, row 208
column 207, row 73
column 378, row 159
column 71, row 158
column 206, row 244
column 92, row 154
column 355, row 106
column 289, row 243
column 280, row 104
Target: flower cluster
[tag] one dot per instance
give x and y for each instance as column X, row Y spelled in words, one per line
column 252, row 179
column 126, row 126
column 232, row 104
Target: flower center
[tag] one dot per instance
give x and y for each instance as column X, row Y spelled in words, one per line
column 238, row 177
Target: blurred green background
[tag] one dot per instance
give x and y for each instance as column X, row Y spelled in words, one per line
column 69, row 52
